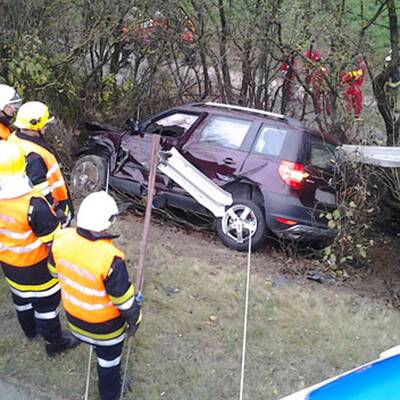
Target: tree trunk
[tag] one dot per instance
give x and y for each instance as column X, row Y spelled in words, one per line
column 385, row 105
column 246, row 72
column 201, row 45
column 223, row 51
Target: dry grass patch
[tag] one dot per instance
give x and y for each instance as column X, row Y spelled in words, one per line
column 189, row 344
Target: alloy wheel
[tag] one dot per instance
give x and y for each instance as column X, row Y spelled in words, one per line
column 239, row 222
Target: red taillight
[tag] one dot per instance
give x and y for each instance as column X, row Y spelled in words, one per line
column 292, row 173
column 286, row 221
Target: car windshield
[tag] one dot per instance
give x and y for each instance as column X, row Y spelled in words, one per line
column 179, row 123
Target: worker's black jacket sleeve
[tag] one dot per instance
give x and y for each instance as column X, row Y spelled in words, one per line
column 43, row 221
column 5, row 120
column 118, row 286
column 36, row 169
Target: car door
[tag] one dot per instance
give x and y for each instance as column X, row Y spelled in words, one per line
column 219, row 146
column 137, row 150
column 262, row 164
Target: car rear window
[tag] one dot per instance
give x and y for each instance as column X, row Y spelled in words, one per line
column 322, row 153
column 270, row 141
column 225, row 131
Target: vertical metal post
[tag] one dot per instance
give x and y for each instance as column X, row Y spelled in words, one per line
column 147, row 217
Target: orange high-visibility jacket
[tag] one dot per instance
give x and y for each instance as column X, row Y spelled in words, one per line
column 4, row 131
column 19, row 246
column 82, row 266
column 55, row 179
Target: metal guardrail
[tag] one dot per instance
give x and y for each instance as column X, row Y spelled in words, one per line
column 388, row 157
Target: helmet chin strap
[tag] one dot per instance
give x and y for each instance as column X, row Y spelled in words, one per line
column 30, row 132
column 4, row 114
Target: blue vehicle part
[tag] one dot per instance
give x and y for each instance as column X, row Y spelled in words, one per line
column 379, row 380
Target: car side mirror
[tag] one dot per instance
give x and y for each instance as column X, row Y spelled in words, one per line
column 133, row 127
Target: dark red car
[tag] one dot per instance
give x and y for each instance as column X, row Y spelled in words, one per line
column 278, row 171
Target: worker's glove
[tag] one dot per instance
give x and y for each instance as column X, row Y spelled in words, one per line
column 61, row 216
column 133, row 317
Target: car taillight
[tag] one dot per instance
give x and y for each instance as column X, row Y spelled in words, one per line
column 292, row 173
column 286, row 221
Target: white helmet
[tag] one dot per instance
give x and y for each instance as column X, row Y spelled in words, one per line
column 97, row 212
column 8, row 95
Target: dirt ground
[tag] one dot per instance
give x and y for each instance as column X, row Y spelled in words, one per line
column 189, row 344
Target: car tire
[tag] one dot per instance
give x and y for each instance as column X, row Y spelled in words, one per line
column 88, row 175
column 253, row 216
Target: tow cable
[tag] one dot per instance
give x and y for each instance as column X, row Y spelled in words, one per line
column 245, row 318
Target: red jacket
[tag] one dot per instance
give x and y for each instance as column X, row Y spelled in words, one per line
column 355, row 78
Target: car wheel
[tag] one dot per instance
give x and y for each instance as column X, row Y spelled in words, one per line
column 234, row 228
column 88, row 175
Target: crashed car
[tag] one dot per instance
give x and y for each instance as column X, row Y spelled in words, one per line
column 278, row 171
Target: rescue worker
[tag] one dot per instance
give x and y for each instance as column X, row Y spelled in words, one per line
column 9, row 104
column 188, row 31
column 316, row 75
column 312, row 57
column 27, row 226
column 187, row 36
column 97, row 295
column 352, row 82
column 392, row 85
column 42, row 167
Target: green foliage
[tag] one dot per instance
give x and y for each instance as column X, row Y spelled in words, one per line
column 355, row 217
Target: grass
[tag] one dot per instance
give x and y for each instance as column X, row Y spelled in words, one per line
column 299, row 334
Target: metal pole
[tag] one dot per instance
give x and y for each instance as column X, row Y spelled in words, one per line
column 147, row 216
column 108, row 176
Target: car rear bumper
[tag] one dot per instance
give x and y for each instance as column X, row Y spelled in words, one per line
column 300, row 222
column 299, row 232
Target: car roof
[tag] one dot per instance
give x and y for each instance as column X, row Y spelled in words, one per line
column 256, row 114
column 232, row 109
column 261, row 115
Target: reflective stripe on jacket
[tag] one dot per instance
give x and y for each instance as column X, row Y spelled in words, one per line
column 82, row 267
column 4, row 131
column 56, row 183
column 19, row 246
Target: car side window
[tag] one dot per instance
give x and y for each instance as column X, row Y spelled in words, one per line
column 179, row 123
column 322, row 154
column 225, row 131
column 270, row 141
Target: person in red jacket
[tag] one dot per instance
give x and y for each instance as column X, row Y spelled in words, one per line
column 352, row 82
column 315, row 76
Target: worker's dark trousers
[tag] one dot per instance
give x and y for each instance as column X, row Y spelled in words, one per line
column 39, row 315
column 109, row 370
